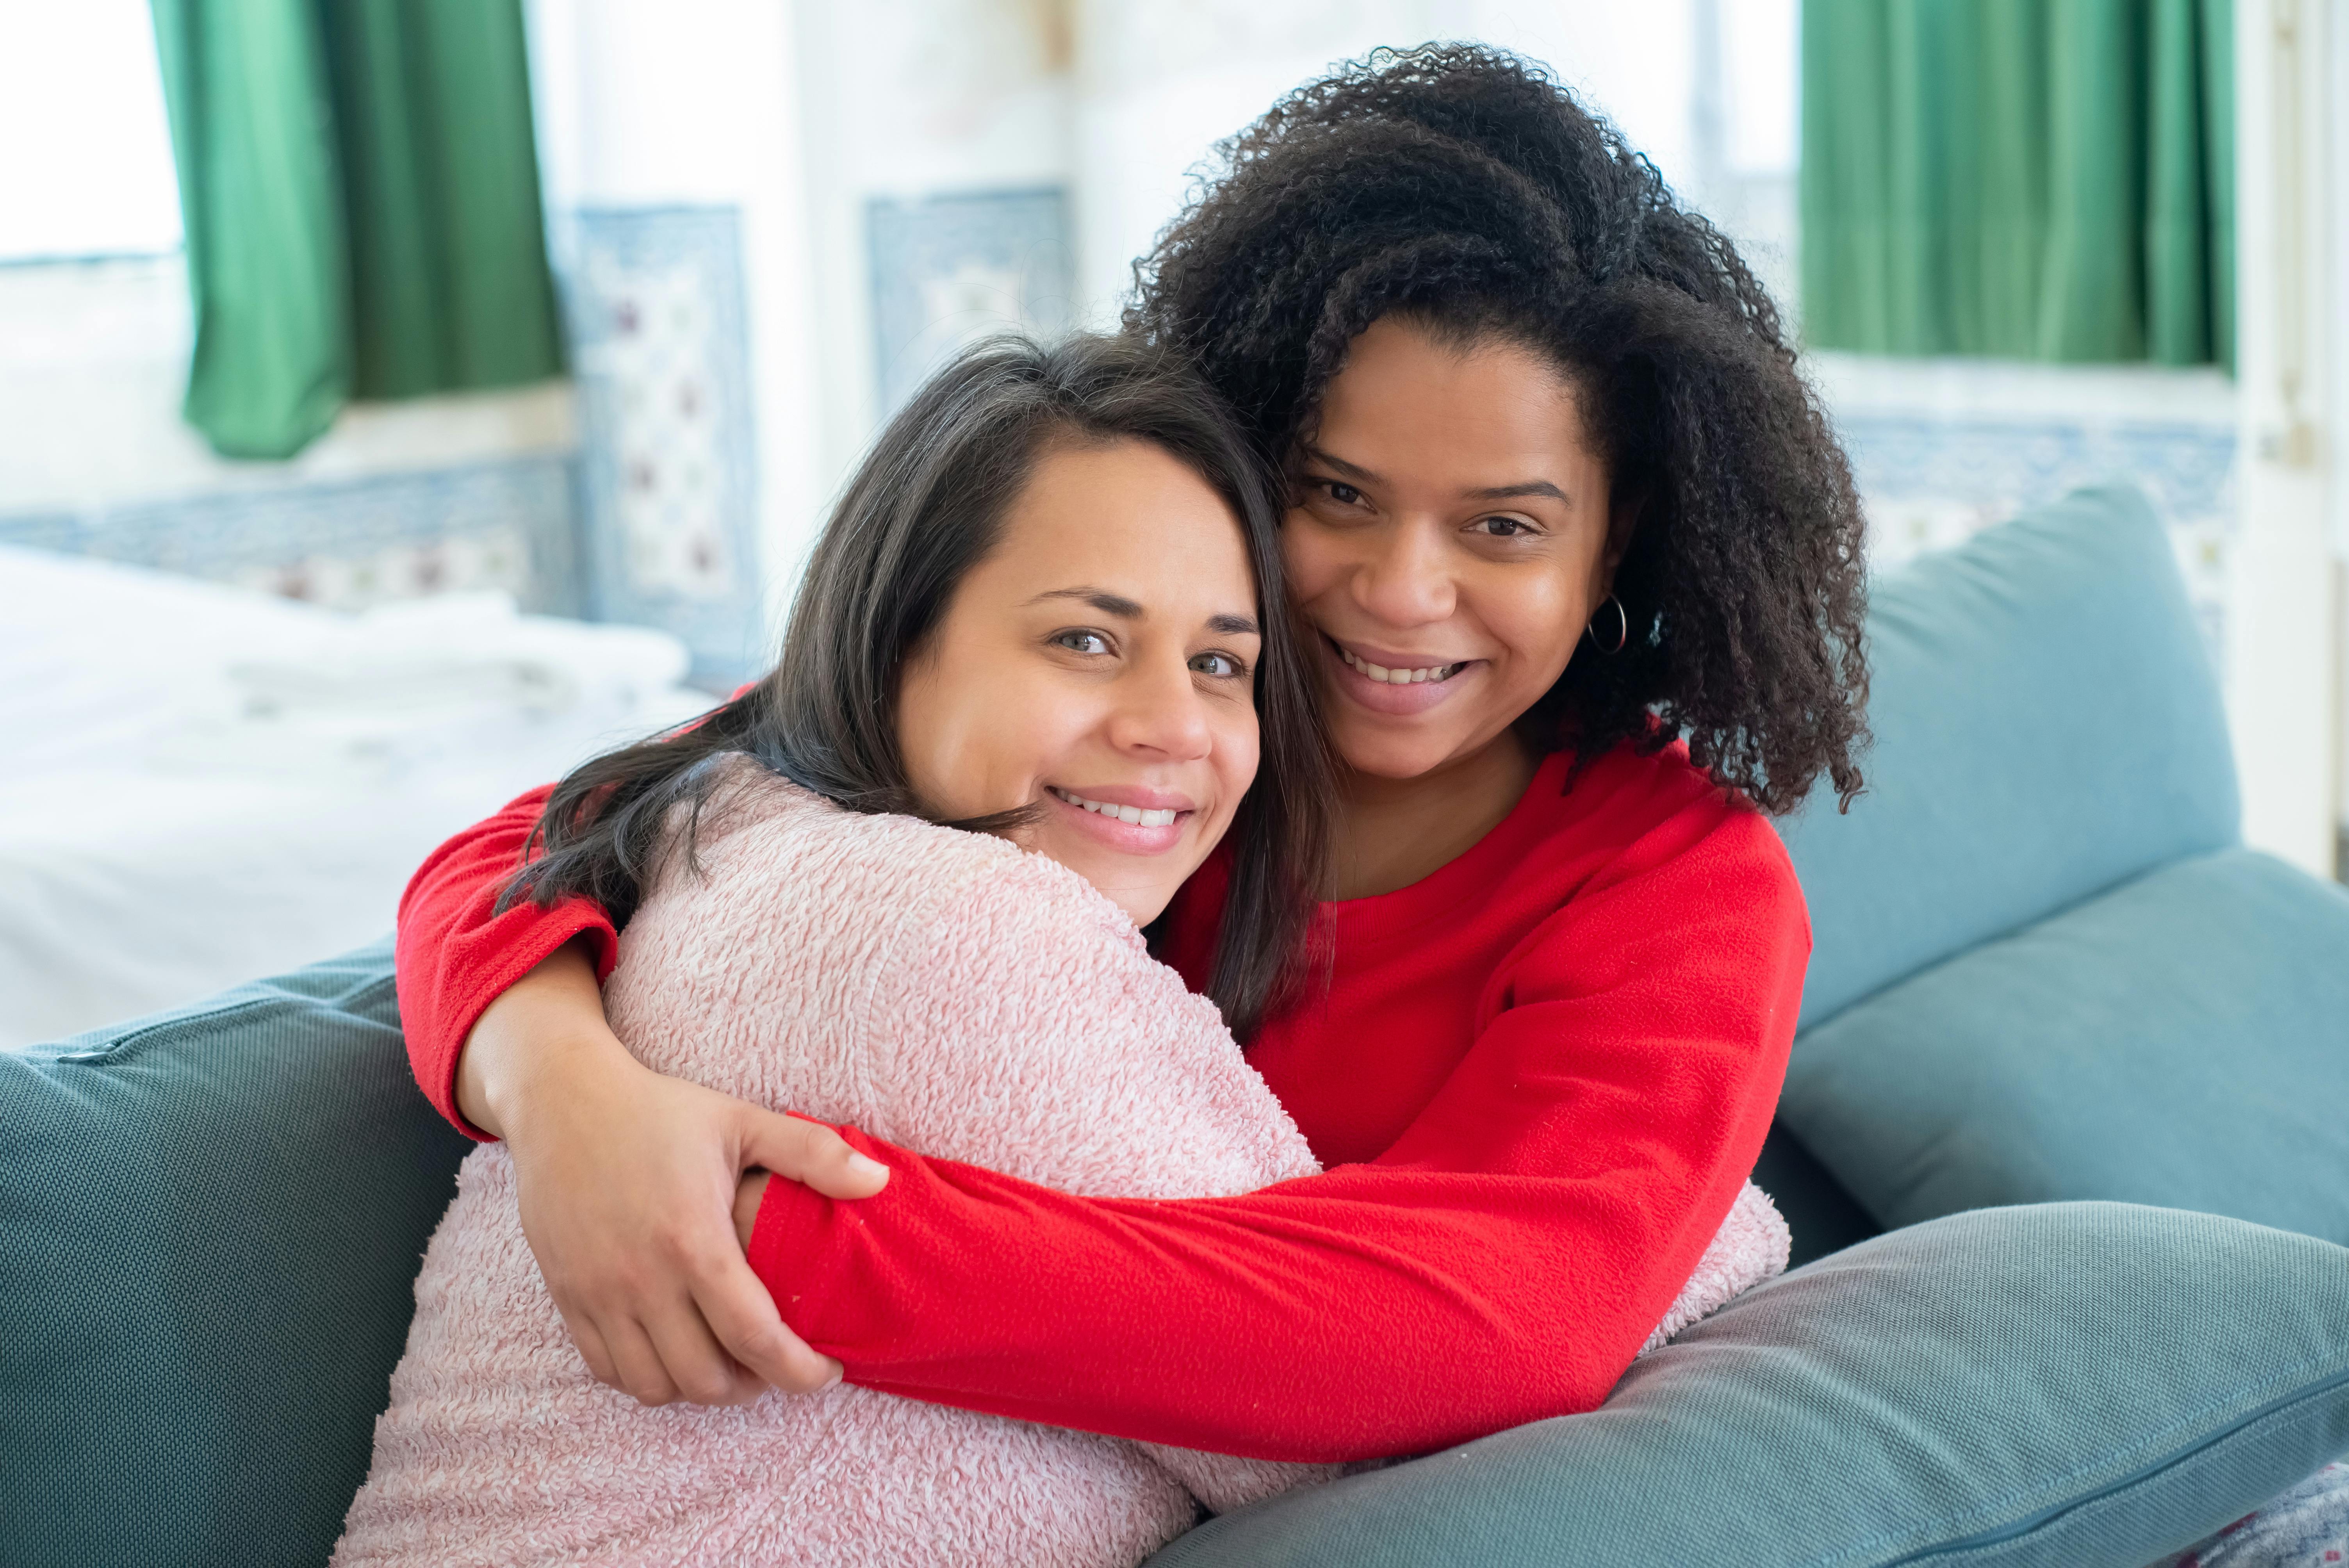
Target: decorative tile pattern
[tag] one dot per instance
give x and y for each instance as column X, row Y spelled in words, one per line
column 2189, row 469
column 654, row 522
column 353, row 542
column 668, row 464
column 948, row 270
column 1930, row 483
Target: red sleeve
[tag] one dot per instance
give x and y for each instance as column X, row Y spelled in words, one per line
column 1500, row 1263
column 455, row 956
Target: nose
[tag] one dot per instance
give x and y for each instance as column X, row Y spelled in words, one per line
column 1402, row 578
column 1159, row 714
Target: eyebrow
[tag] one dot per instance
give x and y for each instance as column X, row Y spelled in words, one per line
column 1491, row 492
column 1125, row 609
column 1531, row 487
column 1351, row 470
column 1101, row 599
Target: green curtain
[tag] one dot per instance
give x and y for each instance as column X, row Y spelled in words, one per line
column 359, row 187
column 2047, row 179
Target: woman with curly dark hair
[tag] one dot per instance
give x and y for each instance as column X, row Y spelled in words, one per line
column 1580, row 563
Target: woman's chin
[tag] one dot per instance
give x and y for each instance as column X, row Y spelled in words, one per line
column 1137, row 868
column 1384, row 746
column 1408, row 732
column 1142, row 892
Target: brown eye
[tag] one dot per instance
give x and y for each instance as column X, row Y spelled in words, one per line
column 1501, row 527
column 1343, row 494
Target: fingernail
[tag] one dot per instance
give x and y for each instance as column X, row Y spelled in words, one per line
column 838, row 1371
column 864, row 1165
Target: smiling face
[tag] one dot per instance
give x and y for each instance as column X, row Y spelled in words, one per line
column 1450, row 539
column 1098, row 664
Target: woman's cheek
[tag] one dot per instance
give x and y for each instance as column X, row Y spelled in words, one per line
column 1545, row 626
column 1238, row 754
column 1305, row 555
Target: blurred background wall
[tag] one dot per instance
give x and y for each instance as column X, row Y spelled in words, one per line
column 765, row 219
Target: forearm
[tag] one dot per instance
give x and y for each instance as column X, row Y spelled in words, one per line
column 1498, row 1262
column 547, row 1025
column 1361, row 1313
column 457, row 955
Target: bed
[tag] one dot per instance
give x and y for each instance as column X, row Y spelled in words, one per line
column 200, row 783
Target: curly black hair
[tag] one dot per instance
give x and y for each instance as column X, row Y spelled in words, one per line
column 1460, row 187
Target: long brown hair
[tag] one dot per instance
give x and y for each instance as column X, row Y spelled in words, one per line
column 923, row 509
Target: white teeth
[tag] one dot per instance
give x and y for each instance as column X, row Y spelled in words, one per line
column 1397, row 677
column 1133, row 814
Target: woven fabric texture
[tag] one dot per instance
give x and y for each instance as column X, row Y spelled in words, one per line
column 2067, row 1386
column 208, row 1225
column 2182, row 1040
column 2047, row 726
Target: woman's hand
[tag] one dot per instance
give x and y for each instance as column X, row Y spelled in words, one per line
column 747, row 1198
column 628, row 1181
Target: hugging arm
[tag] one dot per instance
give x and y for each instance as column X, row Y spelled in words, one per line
column 1500, row 1263
column 456, row 955
column 626, row 1175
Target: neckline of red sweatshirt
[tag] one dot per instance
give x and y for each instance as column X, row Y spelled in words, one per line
column 1537, row 1078
column 1380, row 917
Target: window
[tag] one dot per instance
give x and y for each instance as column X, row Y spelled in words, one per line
column 87, row 170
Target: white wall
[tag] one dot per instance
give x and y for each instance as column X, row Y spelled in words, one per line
column 1159, row 84
column 2285, row 658
column 909, row 99
column 694, row 102
column 94, row 363
column 2335, row 437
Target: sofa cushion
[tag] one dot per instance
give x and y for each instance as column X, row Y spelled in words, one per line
column 1820, row 1214
column 2064, row 1385
column 2047, row 724
column 2182, row 1040
column 209, row 1222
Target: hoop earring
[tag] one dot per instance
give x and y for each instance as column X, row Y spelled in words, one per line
column 1622, row 628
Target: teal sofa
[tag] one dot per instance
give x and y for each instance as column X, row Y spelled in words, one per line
column 2061, row 1148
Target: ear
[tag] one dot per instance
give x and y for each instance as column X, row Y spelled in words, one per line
column 1623, row 521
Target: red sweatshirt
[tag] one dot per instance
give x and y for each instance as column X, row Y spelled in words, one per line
column 1537, row 1079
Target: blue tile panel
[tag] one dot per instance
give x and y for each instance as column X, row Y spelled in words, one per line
column 668, row 471
column 948, row 270
column 506, row 524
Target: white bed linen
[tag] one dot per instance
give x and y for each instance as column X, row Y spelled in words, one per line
column 201, row 784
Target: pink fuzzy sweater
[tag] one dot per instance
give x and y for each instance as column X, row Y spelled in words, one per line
column 945, row 992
